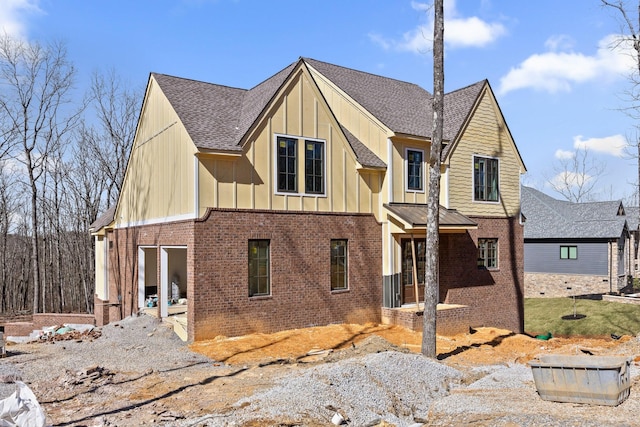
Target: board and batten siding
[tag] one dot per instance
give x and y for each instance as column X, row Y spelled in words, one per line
column 485, row 135
column 249, row 181
column 544, row 257
column 351, row 115
column 400, row 173
column 159, row 182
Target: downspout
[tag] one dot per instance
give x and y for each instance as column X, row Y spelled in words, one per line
column 628, row 249
column 610, row 266
column 196, row 186
column 390, row 239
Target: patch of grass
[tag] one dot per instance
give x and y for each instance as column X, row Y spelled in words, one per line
column 603, row 318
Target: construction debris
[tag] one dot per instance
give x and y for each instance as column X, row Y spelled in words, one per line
column 67, row 333
column 94, row 375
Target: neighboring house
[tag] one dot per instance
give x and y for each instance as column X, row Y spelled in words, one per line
column 302, row 201
column 574, row 248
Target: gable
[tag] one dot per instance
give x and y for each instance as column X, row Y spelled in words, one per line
column 484, row 134
column 296, row 112
column 159, row 180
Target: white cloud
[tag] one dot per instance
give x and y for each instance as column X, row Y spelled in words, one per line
column 559, row 42
column 460, row 31
column 471, row 32
column 380, row 41
column 569, row 179
column 12, row 15
column 421, row 7
column 613, row 145
column 559, row 71
column 418, row 40
column 564, row 154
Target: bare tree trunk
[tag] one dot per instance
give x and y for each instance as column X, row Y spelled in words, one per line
column 432, row 274
column 35, row 250
column 36, row 82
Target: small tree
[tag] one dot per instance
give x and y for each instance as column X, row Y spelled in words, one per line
column 575, row 177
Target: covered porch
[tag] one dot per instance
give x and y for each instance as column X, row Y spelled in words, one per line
column 403, row 289
column 405, row 259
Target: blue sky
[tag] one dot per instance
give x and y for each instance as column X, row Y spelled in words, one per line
column 558, row 83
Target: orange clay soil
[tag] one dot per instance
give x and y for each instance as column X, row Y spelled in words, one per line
column 481, row 347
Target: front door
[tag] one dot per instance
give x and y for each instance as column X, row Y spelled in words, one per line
column 408, row 288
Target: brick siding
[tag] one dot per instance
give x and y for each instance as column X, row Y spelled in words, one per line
column 450, row 320
column 217, row 270
column 41, row 320
column 301, row 293
column 495, row 297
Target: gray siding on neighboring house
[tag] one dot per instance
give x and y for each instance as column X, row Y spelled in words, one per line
column 544, row 257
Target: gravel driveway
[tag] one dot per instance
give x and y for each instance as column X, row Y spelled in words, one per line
column 137, row 372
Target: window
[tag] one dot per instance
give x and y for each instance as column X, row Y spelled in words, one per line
column 287, row 164
column 314, row 167
column 338, row 265
column 488, row 253
column 414, row 170
column 568, row 252
column 485, row 179
column 259, row 268
column 297, row 158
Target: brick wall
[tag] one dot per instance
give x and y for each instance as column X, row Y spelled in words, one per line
column 301, row 294
column 495, row 297
column 217, row 270
column 548, row 285
column 123, row 263
column 41, row 320
column 450, row 320
column 100, row 311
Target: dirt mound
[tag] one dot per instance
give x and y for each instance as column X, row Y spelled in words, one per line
column 335, row 342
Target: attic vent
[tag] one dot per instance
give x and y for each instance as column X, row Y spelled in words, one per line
column 621, row 210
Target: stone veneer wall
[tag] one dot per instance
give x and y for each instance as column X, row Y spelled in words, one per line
column 547, row 285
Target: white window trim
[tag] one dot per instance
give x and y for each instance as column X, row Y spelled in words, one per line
column 300, row 165
column 141, row 272
column 473, row 184
column 406, row 171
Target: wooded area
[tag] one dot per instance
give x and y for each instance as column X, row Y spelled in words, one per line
column 62, row 159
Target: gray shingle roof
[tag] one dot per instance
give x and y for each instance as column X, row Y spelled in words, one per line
column 403, row 107
column 458, row 106
column 218, row 117
column 549, row 218
column 365, row 156
column 103, row 220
